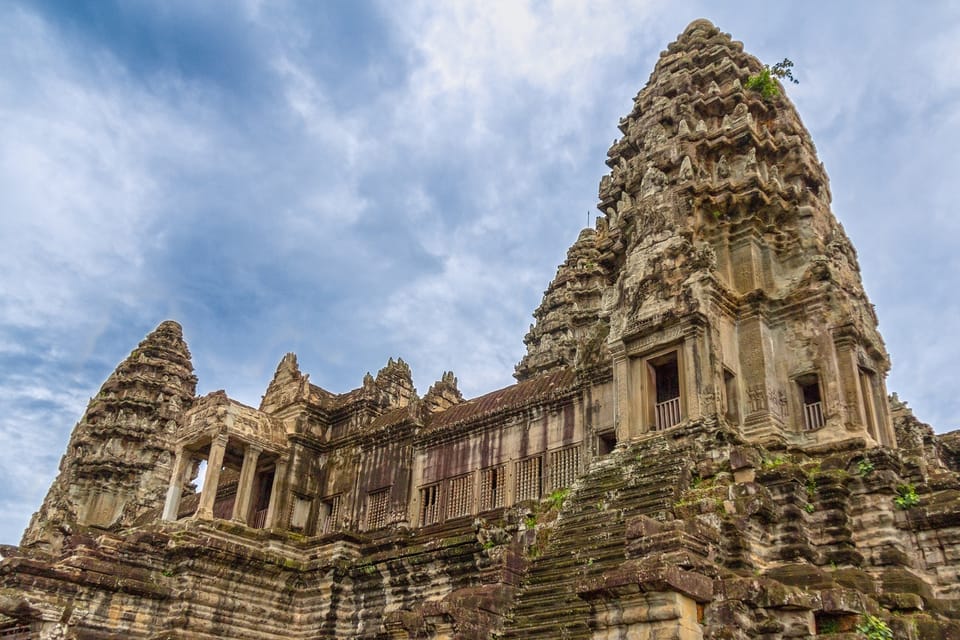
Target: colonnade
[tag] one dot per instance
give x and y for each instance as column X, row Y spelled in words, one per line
column 184, row 464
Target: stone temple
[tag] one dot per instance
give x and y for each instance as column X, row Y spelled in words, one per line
column 699, row 445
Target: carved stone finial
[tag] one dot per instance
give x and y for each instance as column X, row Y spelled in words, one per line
column 443, row 394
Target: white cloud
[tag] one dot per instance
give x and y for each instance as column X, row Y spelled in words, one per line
column 444, row 329
column 77, row 182
column 478, row 62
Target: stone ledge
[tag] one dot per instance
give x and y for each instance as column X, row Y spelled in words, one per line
column 632, row 578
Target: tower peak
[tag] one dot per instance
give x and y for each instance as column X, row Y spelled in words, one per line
column 717, row 226
column 701, row 24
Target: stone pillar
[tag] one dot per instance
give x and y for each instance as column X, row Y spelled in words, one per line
column 888, row 434
column 510, row 480
column 763, row 417
column 175, row 490
column 852, row 401
column 477, row 490
column 746, row 263
column 248, row 472
column 646, row 602
column 277, row 491
column 218, row 448
column 416, row 479
column 666, row 614
column 626, row 418
column 691, row 371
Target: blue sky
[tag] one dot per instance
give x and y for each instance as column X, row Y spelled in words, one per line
column 353, row 181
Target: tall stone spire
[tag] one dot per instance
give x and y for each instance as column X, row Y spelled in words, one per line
column 117, row 463
column 724, row 268
column 568, row 331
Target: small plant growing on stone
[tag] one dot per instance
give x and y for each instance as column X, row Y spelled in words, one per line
column 809, row 508
column 906, row 496
column 873, row 628
column 772, row 463
column 764, row 82
column 530, row 521
column 557, row 498
column 865, row 467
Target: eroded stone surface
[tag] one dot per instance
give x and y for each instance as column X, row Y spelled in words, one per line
column 699, row 445
column 118, row 461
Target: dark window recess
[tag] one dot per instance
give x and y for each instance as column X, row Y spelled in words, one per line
column 811, row 392
column 668, row 380
column 606, row 442
column 430, row 504
column 813, row 416
column 732, row 410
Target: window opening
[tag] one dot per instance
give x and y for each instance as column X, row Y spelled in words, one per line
column 530, row 479
column 564, row 467
column 377, row 508
column 606, row 442
column 460, row 496
column 813, row 417
column 666, row 383
column 261, row 503
column 330, row 514
column 429, row 505
column 491, row 488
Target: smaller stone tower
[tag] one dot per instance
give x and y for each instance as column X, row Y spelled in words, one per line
column 118, row 461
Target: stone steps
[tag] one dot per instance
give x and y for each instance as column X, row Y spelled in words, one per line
column 589, row 538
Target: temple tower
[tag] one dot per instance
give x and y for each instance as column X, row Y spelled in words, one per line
column 729, row 291
column 119, row 458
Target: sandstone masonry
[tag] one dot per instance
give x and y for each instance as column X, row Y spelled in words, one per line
column 700, row 444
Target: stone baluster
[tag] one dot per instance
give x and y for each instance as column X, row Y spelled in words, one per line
column 248, row 471
column 276, row 493
column 218, row 448
column 172, row 505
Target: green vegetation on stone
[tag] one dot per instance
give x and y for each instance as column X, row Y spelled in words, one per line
column 772, row 463
column 557, row 498
column 873, row 628
column 906, row 497
column 764, row 82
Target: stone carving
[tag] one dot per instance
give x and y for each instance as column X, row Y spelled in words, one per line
column 686, row 169
column 698, row 445
column 112, row 470
column 653, row 181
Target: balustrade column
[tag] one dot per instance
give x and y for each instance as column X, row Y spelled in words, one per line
column 272, row 521
column 208, row 495
column 248, row 471
column 172, row 504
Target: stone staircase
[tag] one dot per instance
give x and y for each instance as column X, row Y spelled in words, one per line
column 589, row 536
